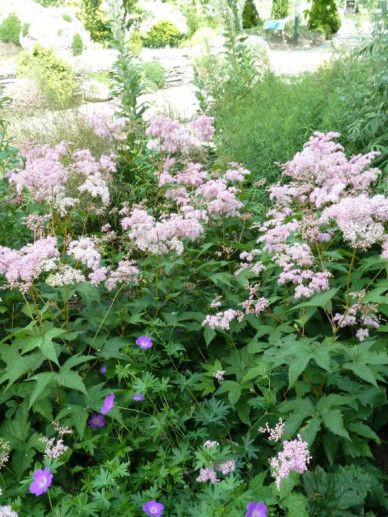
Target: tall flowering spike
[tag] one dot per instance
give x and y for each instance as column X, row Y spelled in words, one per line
column 108, row 404
column 256, row 509
column 153, row 508
column 42, row 481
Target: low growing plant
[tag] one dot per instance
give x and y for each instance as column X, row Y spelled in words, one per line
column 162, row 34
column 10, row 29
column 54, row 76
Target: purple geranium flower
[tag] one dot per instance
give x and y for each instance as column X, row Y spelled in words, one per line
column 139, row 397
column 144, row 342
column 256, row 509
column 103, row 370
column 96, row 421
column 153, row 508
column 108, row 404
column 42, row 481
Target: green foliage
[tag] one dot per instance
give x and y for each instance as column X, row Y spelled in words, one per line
column 154, row 74
column 54, row 76
column 10, row 29
column 197, row 16
column 162, row 34
column 135, row 42
column 67, row 17
column 77, row 45
column 25, row 29
column 324, row 15
column 96, row 21
column 279, row 9
column 250, row 16
column 348, row 94
column 48, row 3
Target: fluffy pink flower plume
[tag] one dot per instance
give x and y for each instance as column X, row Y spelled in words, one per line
column 109, row 128
column 294, row 457
column 22, row 267
column 172, row 137
column 55, row 176
column 126, row 272
column 163, row 236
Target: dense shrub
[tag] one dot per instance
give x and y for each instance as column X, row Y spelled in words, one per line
column 279, row 9
column 54, row 76
column 162, row 34
column 10, row 29
column 77, row 45
column 324, row 15
column 154, row 74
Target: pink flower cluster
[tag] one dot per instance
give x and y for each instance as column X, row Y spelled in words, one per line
column 210, row 473
column 294, row 457
column 162, row 236
column 54, row 448
column 252, row 305
column 22, row 267
column 109, row 128
column 275, row 433
column 361, row 314
column 325, row 186
column 171, row 137
column 56, row 176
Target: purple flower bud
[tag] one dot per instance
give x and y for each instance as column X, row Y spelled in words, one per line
column 103, row 370
column 138, row 397
column 108, row 404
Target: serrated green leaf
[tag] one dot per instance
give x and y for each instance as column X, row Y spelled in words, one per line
column 70, row 379
column 209, row 334
column 363, row 371
column 42, row 381
column 363, row 430
column 333, row 420
column 297, row 505
column 297, row 366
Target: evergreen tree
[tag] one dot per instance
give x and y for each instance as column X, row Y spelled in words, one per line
column 279, row 9
column 250, row 17
column 324, row 15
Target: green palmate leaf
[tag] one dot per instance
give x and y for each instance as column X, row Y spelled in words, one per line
column 333, row 420
column 42, row 382
column 70, row 379
column 296, row 505
column 233, row 389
